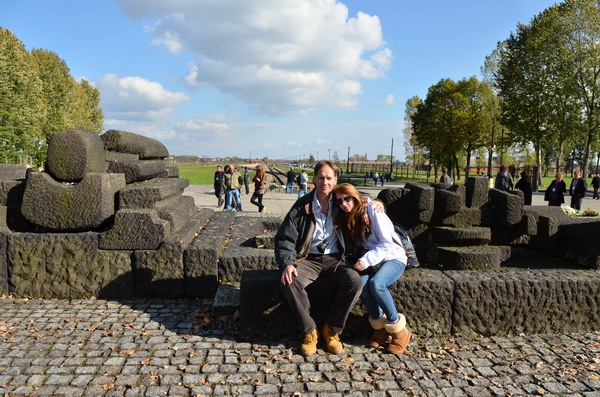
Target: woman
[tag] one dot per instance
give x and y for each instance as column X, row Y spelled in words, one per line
column 524, row 185
column 381, row 260
column 555, row 194
column 259, row 187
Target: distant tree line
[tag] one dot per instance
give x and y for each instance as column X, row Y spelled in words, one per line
column 38, row 96
column 540, row 91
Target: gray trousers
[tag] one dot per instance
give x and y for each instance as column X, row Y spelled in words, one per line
column 346, row 280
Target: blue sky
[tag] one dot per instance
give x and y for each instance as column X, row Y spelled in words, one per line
column 266, row 78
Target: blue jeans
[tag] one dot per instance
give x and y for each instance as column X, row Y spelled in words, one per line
column 302, row 191
column 234, row 195
column 375, row 294
column 289, row 188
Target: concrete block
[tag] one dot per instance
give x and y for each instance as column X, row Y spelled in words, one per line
column 455, row 236
column 129, row 142
column 11, row 196
column 3, row 264
column 465, row 217
column 265, row 241
column 120, row 156
column 64, row 207
column 176, row 210
column 507, row 207
column 518, row 234
column 170, row 172
column 397, row 205
column 139, row 229
column 9, row 172
column 260, row 316
column 476, row 191
column 469, row 258
column 201, row 256
column 66, row 266
column 448, row 202
column 137, row 170
column 584, row 252
column 160, row 273
column 240, row 255
column 422, row 199
column 525, row 301
column 147, row 194
column 227, row 299
column 74, row 153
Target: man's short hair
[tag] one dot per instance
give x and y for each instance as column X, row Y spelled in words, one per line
column 322, row 163
column 444, row 169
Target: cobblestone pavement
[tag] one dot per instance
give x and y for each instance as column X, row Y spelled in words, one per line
column 157, row 348
column 160, row 347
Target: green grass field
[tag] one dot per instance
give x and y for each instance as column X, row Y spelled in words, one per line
column 203, row 175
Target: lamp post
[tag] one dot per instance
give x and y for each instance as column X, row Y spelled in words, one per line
column 491, row 153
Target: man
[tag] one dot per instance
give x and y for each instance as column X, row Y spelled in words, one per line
column 577, row 190
column 308, row 247
column 445, row 178
column 247, row 180
column 218, row 184
column 596, row 185
column 504, row 180
column 302, row 184
column 231, row 181
column 291, row 177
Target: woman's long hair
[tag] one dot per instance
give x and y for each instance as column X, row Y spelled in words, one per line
column 260, row 172
column 357, row 220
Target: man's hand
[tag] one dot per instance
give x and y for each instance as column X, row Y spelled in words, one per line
column 288, row 274
column 359, row 266
column 378, row 206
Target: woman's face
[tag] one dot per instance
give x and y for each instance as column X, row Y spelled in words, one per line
column 345, row 202
column 559, row 177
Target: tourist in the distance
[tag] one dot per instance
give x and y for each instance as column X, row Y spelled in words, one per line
column 577, row 190
column 504, row 180
column 260, row 188
column 231, row 181
column 291, row 178
column 596, row 185
column 218, row 185
column 524, row 185
column 247, row 180
column 380, row 257
column 445, row 178
column 555, row 194
column 302, row 184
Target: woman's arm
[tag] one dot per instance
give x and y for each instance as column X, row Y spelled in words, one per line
column 383, row 244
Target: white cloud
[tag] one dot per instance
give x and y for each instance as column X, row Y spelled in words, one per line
column 271, row 146
column 278, row 56
column 135, row 98
column 293, row 144
column 390, row 100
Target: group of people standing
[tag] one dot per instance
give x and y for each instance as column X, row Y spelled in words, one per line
column 555, row 193
column 228, row 184
column 301, row 179
column 335, row 233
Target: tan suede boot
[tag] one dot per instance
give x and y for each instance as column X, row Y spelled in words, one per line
column 332, row 340
column 309, row 346
column 400, row 336
column 380, row 335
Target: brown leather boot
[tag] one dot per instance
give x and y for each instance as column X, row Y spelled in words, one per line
column 309, row 346
column 400, row 336
column 332, row 340
column 380, row 335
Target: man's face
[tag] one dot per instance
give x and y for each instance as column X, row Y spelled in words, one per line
column 219, row 169
column 325, row 180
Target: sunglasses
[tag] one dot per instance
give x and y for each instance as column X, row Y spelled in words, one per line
column 346, row 199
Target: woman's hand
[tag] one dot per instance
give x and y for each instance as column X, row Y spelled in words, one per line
column 378, row 206
column 359, row 266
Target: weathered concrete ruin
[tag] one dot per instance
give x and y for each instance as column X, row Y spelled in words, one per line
column 109, row 219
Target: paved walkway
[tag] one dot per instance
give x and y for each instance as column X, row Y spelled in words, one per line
column 177, row 348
